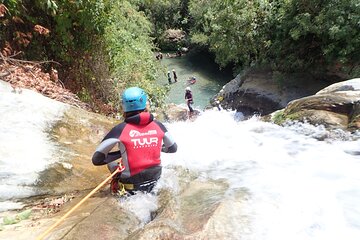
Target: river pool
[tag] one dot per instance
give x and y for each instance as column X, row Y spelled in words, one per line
column 210, row 79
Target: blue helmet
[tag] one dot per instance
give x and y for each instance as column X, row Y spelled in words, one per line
column 134, row 99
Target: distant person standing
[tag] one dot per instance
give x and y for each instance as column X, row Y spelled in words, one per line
column 169, row 77
column 159, row 56
column 174, row 74
column 189, row 99
column 178, row 52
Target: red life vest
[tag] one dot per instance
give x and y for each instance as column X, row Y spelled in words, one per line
column 143, row 144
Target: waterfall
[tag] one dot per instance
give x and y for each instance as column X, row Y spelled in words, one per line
column 297, row 187
column 25, row 146
column 293, row 182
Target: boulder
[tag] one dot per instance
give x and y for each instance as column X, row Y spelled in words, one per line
column 261, row 92
column 174, row 113
column 174, row 35
column 171, row 39
column 336, row 107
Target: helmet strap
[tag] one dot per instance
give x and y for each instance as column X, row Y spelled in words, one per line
column 133, row 113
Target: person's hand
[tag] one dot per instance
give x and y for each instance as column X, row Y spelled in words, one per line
column 120, row 167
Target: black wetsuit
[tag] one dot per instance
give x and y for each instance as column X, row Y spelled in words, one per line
column 140, row 139
column 175, row 76
column 189, row 100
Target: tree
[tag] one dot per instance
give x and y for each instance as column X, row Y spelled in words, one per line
column 232, row 29
column 103, row 45
column 315, row 34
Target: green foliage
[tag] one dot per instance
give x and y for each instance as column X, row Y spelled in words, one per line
column 234, row 29
column 290, row 35
column 315, row 34
column 72, row 25
column 8, row 220
column 200, row 22
column 131, row 59
column 107, row 44
column 49, row 6
column 76, row 26
column 84, row 95
column 278, row 117
column 12, row 5
column 200, row 39
column 104, row 45
column 164, row 14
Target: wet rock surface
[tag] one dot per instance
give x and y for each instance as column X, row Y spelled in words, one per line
column 72, row 176
column 175, row 112
column 336, row 107
column 260, row 92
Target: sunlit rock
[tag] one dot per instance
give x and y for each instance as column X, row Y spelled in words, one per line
column 336, row 106
column 175, row 112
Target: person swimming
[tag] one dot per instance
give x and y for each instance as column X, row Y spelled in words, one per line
column 192, row 80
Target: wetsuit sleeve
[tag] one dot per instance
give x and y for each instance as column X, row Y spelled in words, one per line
column 169, row 145
column 102, row 153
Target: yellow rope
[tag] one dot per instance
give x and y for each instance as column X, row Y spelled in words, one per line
column 120, row 169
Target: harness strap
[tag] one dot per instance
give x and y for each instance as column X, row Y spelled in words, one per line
column 124, row 189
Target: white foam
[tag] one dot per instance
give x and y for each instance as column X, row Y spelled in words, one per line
column 296, row 186
column 300, row 188
column 141, row 205
column 5, row 205
column 25, row 146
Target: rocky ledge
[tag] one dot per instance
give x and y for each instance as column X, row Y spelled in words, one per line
column 336, row 107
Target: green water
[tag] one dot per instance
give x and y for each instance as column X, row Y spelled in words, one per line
column 209, row 82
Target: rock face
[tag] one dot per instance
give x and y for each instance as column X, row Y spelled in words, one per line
column 261, row 92
column 336, row 106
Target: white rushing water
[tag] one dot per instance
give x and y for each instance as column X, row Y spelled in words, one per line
column 25, row 147
column 297, row 186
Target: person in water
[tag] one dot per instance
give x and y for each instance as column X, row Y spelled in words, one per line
column 174, row 74
column 189, row 99
column 192, row 80
column 169, row 77
column 159, row 56
column 139, row 139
